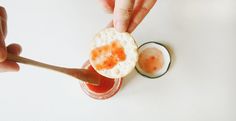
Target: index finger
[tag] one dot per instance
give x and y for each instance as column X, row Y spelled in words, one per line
column 140, row 11
column 3, row 32
column 122, row 14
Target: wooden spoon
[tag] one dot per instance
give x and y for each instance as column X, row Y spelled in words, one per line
column 81, row 74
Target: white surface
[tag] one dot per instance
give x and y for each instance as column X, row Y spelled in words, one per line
column 200, row 86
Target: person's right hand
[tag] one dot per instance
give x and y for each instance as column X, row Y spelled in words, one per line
column 6, row 66
column 128, row 14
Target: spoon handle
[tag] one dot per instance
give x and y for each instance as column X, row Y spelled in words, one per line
column 27, row 61
column 81, row 74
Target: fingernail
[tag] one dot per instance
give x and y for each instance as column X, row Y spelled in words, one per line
column 120, row 26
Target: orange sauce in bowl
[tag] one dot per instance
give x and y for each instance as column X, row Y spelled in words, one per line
column 151, row 60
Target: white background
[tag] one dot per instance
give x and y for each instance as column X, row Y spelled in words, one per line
column 200, row 85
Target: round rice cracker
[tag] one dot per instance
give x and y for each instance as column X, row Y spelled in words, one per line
column 122, row 68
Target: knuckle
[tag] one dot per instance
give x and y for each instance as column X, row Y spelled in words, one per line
column 145, row 9
column 124, row 13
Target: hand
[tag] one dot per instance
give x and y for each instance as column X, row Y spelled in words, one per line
column 12, row 48
column 128, row 14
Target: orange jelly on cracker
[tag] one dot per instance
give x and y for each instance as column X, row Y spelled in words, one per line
column 108, row 56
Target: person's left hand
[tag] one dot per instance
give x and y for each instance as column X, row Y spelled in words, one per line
column 5, row 65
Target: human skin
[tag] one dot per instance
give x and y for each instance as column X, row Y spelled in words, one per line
column 127, row 14
column 5, row 65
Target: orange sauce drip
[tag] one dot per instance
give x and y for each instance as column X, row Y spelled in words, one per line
column 111, row 54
